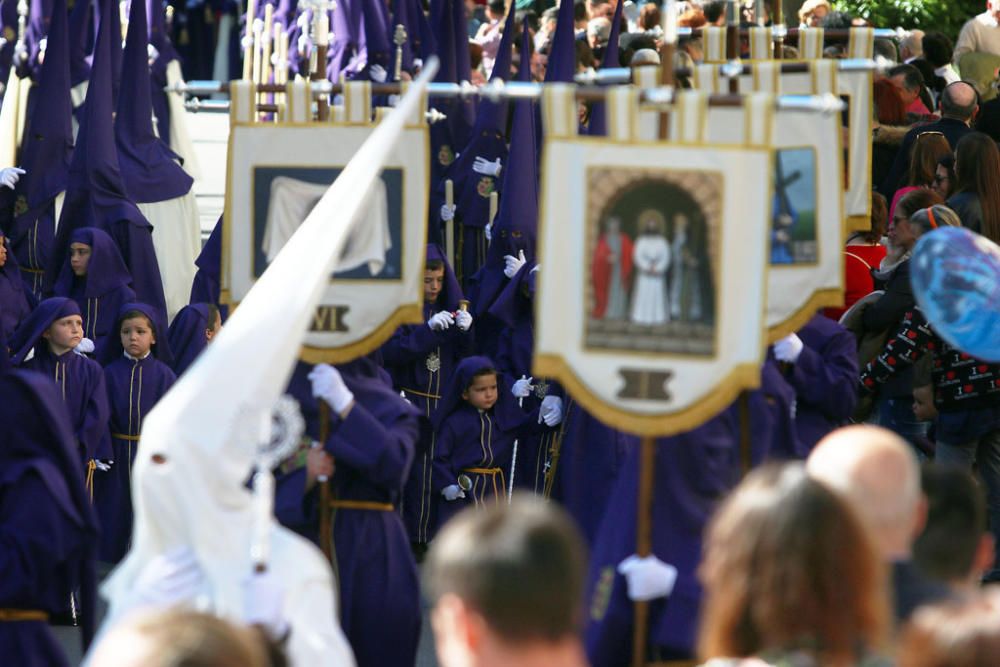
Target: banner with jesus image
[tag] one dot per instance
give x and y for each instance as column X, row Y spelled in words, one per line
column 651, row 290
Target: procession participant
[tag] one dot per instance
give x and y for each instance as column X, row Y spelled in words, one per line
column 475, row 426
column 205, row 288
column 372, row 436
column 505, row 585
column 49, row 529
column 420, row 358
column 96, row 195
column 136, row 379
column 151, row 174
column 14, row 302
column 45, row 157
column 194, row 328
column 96, row 278
column 476, row 172
column 820, row 363
column 450, row 31
column 52, row 332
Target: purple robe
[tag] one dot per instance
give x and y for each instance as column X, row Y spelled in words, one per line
column 150, row 170
column 45, row 156
column 96, row 195
column 598, row 125
column 100, row 293
column 825, row 379
column 450, row 27
column 586, row 468
column 187, row 335
column 14, row 302
column 158, row 37
column 80, row 22
column 47, row 525
column 472, row 442
column 80, row 380
column 134, row 386
column 205, row 288
column 373, row 450
column 420, row 361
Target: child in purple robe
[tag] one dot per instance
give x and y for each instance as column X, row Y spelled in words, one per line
column 136, row 380
column 14, row 302
column 53, row 331
column 49, row 532
column 193, row 328
column 475, row 426
column 370, row 433
column 95, row 276
column 421, row 358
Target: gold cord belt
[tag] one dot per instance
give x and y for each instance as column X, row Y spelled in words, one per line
column 89, row 482
column 27, row 270
column 436, row 397
column 122, row 436
column 369, row 505
column 10, row 615
column 499, row 489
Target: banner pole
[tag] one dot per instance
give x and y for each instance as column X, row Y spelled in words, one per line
column 644, row 541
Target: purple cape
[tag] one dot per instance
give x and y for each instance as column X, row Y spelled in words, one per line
column 79, row 31
column 161, row 349
column 29, row 333
column 562, row 55
column 598, row 125
column 51, row 534
column 149, row 168
column 187, row 335
column 205, row 288
column 14, row 303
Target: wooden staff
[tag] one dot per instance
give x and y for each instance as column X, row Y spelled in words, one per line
column 449, row 226
column 778, row 18
column 258, row 44
column 247, row 40
column 123, row 18
column 265, row 64
column 281, row 48
column 667, row 50
column 321, row 30
column 746, row 461
column 325, row 516
column 644, row 541
column 399, row 38
column 733, row 40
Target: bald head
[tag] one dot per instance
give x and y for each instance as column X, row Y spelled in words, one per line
column 959, row 101
column 878, row 473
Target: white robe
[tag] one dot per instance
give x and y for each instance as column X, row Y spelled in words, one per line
column 177, row 242
column 651, row 259
column 180, row 140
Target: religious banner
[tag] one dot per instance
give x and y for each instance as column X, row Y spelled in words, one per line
column 277, row 173
column 654, row 258
column 807, row 220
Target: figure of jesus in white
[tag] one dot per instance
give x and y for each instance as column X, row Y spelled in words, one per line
column 651, row 257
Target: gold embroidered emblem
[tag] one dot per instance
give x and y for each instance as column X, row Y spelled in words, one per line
column 433, row 362
column 602, row 593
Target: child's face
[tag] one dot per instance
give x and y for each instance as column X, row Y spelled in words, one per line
column 211, row 333
column 137, row 336
column 482, row 393
column 433, row 282
column 3, row 250
column 923, row 404
column 64, row 334
column 79, row 258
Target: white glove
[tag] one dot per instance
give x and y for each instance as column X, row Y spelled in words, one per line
column 86, row 346
column 263, row 603
column 488, row 231
column 551, row 411
column 463, row 319
column 514, row 264
column 522, row 388
column 788, row 348
column 535, row 268
column 452, row 492
column 648, row 578
column 303, row 43
column 328, row 385
column 378, row 73
column 20, row 52
column 447, row 212
column 170, row 578
column 9, row 176
column 152, row 53
column 43, row 44
column 103, row 466
column 441, row 321
column 483, row 166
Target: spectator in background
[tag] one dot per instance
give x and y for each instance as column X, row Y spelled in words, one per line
column 910, row 83
column 977, row 185
column 598, row 32
column 959, row 106
column 911, row 46
column 927, row 150
column 955, row 547
column 890, row 102
column 505, row 585
column 937, row 51
column 892, row 124
column 715, row 12
column 777, row 556
column 981, row 34
column 944, row 176
column 864, row 252
column 877, row 473
column 649, row 16
column 489, row 34
column 812, row 13
column 957, row 633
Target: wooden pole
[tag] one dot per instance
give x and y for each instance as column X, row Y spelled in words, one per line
column 449, row 226
column 644, row 541
column 778, row 18
column 325, row 515
column 266, row 48
column 247, row 37
column 319, row 68
column 733, row 40
column 667, row 49
column 746, row 460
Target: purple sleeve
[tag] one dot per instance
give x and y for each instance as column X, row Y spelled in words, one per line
column 383, row 453
column 443, row 473
column 93, row 434
column 411, row 343
column 827, row 379
column 290, row 506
